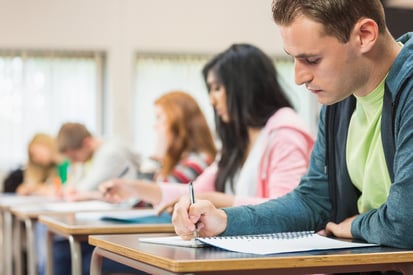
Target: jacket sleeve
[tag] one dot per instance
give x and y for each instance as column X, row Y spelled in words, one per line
column 287, row 159
column 106, row 165
column 204, row 183
column 307, row 207
column 392, row 223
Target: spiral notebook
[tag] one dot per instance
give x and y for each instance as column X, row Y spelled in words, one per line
column 265, row 243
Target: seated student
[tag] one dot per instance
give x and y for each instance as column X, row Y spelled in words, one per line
column 184, row 142
column 265, row 145
column 185, row 148
column 45, row 168
column 101, row 159
column 360, row 181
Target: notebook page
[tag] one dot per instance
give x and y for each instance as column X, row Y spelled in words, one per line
column 271, row 244
column 173, row 240
column 119, row 214
column 66, row 206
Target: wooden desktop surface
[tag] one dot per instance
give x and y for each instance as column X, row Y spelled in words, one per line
column 72, row 224
column 37, row 208
column 182, row 259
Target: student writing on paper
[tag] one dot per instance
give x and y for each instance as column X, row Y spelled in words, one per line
column 100, row 159
column 360, row 180
column 265, row 146
column 46, row 169
column 184, row 142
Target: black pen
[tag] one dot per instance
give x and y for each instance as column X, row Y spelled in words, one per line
column 121, row 174
column 124, row 171
column 192, row 198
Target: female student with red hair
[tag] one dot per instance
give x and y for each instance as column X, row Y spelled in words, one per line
column 184, row 146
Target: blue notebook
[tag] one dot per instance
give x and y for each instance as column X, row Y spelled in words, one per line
column 143, row 219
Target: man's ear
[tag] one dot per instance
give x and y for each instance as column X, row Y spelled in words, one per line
column 87, row 142
column 366, row 31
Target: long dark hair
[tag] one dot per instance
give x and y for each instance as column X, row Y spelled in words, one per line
column 253, row 96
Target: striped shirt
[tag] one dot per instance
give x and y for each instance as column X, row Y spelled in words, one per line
column 189, row 168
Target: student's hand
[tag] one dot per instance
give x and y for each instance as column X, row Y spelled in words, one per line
column 341, row 230
column 72, row 194
column 117, row 190
column 168, row 208
column 209, row 220
column 24, row 189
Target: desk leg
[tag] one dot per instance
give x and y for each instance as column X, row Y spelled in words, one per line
column 405, row 268
column 99, row 253
column 96, row 263
column 8, row 242
column 75, row 253
column 49, row 253
column 17, row 250
column 31, row 250
column 3, row 245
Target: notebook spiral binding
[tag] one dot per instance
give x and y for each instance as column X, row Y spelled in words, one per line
column 280, row 236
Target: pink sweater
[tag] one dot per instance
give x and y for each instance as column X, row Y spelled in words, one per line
column 288, row 145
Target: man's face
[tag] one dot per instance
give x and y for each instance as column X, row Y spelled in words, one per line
column 330, row 69
column 82, row 154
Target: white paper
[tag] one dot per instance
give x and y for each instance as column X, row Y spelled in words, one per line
column 264, row 246
column 173, row 240
column 93, row 205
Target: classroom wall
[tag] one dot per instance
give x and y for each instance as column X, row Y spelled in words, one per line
column 399, row 3
column 123, row 27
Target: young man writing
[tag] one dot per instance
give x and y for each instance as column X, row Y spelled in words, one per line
column 360, row 180
column 102, row 160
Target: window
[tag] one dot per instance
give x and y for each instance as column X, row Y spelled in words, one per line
column 157, row 75
column 39, row 91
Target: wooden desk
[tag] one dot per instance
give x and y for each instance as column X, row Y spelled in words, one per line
column 7, row 202
column 29, row 214
column 77, row 228
column 161, row 259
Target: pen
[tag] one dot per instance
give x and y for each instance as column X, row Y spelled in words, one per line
column 124, row 171
column 192, row 198
column 121, row 174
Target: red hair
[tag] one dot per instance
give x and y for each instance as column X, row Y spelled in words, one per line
column 187, row 127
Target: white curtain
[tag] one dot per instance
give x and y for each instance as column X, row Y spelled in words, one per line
column 157, row 75
column 41, row 91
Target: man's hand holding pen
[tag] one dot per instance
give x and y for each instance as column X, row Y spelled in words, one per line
column 112, row 190
column 117, row 190
column 201, row 216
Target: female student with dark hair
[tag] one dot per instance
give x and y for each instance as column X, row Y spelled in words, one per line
column 265, row 145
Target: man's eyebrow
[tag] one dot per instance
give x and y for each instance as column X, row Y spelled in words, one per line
column 302, row 55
